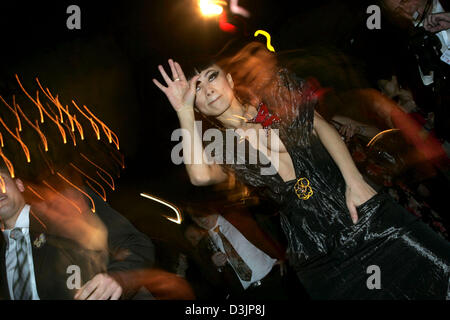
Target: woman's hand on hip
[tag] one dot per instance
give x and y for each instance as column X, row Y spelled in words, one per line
column 179, row 91
column 355, row 195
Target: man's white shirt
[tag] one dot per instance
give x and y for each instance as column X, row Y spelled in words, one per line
column 259, row 262
column 443, row 36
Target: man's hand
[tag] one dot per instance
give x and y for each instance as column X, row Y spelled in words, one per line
column 100, row 287
column 437, row 22
column 219, row 259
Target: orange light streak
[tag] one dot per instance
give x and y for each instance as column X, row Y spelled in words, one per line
column 109, row 133
column 2, row 184
column 47, row 162
column 22, row 144
column 72, row 135
column 63, row 196
column 52, row 99
column 19, row 123
column 379, row 135
column 84, row 174
column 35, row 193
column 37, row 218
column 79, row 127
column 38, row 105
column 92, row 201
column 60, row 128
column 13, row 110
column 111, row 185
column 93, row 124
column 35, row 127
column 121, row 161
column 41, row 108
column 8, row 164
column 60, row 107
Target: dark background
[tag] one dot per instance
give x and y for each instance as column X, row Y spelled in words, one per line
column 108, row 65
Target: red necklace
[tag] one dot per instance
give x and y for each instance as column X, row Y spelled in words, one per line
column 264, row 117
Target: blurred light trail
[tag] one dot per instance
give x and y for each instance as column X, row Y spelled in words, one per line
column 106, row 130
column 225, row 25
column 35, row 127
column 8, row 164
column 236, row 9
column 93, row 124
column 380, row 135
column 177, row 211
column 103, row 195
column 211, row 8
column 17, row 137
column 35, row 193
column 2, row 184
column 66, row 180
column 110, row 184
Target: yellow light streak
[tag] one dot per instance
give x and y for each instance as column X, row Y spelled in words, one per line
column 178, row 220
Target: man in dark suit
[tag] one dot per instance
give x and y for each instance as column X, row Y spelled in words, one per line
column 47, row 251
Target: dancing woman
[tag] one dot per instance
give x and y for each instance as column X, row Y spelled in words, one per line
column 345, row 240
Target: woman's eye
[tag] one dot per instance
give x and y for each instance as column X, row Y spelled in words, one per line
column 213, row 75
column 197, row 88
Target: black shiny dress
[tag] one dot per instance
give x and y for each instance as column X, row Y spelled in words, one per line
column 334, row 258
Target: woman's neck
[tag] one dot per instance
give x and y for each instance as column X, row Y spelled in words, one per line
column 237, row 115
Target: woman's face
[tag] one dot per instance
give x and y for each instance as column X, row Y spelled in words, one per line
column 214, row 91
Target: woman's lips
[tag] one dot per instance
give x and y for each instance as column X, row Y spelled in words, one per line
column 211, row 102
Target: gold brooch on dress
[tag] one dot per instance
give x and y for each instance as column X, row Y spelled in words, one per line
column 302, row 189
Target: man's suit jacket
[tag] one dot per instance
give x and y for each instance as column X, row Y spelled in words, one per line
column 51, row 260
column 127, row 250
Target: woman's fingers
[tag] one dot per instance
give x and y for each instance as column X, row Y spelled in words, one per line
column 430, row 21
column 192, row 82
column 180, row 72
column 352, row 209
column 159, row 85
column 174, row 71
column 433, row 21
column 164, row 74
column 353, row 213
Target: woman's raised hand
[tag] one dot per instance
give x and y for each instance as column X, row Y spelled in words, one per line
column 179, row 91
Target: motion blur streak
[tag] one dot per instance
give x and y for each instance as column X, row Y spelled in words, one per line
column 177, row 211
column 110, row 184
column 76, row 187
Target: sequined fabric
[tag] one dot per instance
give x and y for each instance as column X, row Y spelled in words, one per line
column 330, row 254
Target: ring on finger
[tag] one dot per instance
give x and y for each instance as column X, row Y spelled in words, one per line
column 177, row 79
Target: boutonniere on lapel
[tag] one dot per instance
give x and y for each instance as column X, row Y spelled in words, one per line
column 40, row 241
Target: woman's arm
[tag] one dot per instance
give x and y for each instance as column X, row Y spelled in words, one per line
column 200, row 174
column 358, row 191
column 181, row 95
column 349, row 127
